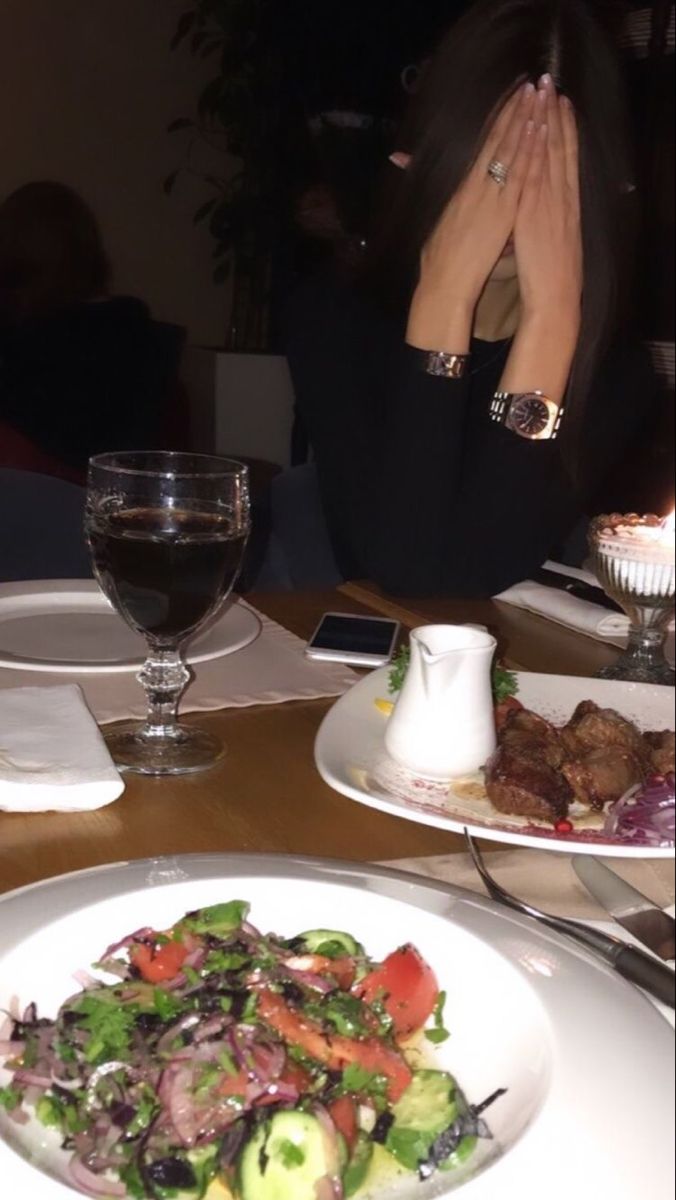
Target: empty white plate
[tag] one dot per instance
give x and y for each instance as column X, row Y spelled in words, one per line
column 69, row 626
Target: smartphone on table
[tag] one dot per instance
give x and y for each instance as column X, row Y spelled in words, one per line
column 357, row 641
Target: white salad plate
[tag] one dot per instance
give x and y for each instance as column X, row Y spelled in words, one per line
column 586, row 1058
column 68, row 626
column 351, row 757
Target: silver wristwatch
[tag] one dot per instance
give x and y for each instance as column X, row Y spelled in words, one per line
column 530, row 414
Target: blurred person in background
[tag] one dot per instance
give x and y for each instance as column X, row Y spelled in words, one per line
column 81, row 371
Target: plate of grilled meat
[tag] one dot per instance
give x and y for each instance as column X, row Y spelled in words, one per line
column 582, row 765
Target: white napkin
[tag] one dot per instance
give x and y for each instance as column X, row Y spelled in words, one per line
column 52, row 756
column 581, row 615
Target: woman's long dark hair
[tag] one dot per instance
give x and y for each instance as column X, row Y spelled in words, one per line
column 51, row 252
column 496, row 45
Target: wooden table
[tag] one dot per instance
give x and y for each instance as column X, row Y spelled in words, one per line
column 266, row 795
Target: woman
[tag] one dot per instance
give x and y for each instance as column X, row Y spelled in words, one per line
column 465, row 401
column 80, row 371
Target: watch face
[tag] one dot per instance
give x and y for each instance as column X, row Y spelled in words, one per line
column 529, row 416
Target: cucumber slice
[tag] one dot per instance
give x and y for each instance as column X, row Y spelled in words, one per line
column 427, row 1108
column 429, row 1104
column 286, row 1159
column 331, row 943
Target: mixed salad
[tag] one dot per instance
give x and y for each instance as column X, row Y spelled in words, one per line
column 222, row 1061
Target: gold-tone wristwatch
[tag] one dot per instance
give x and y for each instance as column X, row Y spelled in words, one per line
column 531, row 415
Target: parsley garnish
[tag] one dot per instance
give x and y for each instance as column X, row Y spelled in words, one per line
column 357, row 1081
column 399, row 669
column 167, row 1006
column 110, row 1026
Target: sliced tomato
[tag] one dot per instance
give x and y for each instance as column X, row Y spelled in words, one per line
column 334, row 1052
column 342, row 970
column 407, row 988
column 502, row 710
column 343, row 1113
column 161, row 964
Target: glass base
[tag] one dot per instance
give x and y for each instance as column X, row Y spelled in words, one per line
column 186, row 752
column 630, row 671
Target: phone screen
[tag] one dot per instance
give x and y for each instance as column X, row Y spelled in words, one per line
column 350, row 635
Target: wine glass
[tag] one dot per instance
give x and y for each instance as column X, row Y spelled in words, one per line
column 166, row 533
column 634, row 558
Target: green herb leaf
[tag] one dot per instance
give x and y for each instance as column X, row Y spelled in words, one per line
column 357, row 1081
column 10, row 1098
column 290, row 1154
column 505, row 684
column 167, row 1006
column 399, row 669
column 439, row 1034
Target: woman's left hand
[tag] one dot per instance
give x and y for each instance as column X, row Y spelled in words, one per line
column 548, row 232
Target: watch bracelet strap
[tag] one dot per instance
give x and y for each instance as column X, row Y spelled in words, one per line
column 442, row 365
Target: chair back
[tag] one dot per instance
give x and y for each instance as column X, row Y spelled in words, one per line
column 41, row 528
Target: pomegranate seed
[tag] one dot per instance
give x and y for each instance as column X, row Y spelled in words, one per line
column 657, row 780
column 564, row 827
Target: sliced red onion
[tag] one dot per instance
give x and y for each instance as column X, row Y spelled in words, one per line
column 141, row 935
column 646, row 815
column 85, row 980
column 187, row 1022
column 91, row 1184
column 308, row 979
column 32, row 1079
column 329, row 1188
column 100, row 1073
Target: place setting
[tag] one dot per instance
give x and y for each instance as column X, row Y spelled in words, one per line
column 287, row 1026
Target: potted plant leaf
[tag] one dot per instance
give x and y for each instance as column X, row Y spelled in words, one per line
column 250, row 115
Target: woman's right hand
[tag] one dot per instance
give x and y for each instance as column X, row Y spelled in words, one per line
column 472, row 233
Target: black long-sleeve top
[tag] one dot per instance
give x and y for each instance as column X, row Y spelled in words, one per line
column 422, row 491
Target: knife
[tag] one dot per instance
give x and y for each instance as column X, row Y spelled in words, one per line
column 576, row 588
column 630, row 908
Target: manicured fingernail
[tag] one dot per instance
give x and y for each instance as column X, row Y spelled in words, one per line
column 543, row 95
column 546, row 81
column 400, row 160
column 528, row 89
column 567, row 102
column 544, row 130
column 530, row 128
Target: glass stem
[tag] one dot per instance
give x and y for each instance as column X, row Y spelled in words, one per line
column 164, row 677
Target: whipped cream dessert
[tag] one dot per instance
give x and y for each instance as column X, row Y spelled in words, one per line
column 636, row 555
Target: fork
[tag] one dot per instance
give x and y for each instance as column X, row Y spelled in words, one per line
column 629, row 962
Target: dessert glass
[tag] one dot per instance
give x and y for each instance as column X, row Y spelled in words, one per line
column 635, row 560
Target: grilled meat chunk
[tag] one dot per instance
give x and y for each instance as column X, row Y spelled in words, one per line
column 662, row 748
column 603, row 776
column 525, row 732
column 521, row 782
column 593, row 728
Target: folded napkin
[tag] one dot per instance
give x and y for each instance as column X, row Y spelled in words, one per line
column 52, row 756
column 548, row 880
column 581, row 615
